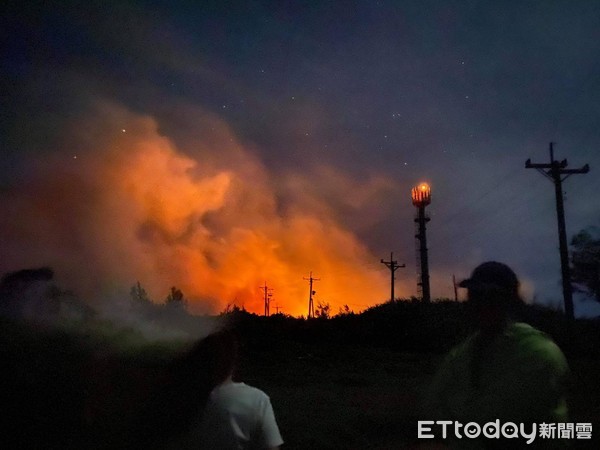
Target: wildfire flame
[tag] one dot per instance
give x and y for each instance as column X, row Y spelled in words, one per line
column 133, row 206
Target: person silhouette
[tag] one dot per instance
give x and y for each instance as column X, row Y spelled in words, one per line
column 506, row 370
column 236, row 416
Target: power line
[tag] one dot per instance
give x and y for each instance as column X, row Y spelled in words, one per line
column 500, row 206
column 477, row 237
column 502, row 181
column 474, row 226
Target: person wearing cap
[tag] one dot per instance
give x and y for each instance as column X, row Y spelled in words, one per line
column 506, row 370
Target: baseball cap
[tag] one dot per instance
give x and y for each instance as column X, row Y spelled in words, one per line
column 491, row 275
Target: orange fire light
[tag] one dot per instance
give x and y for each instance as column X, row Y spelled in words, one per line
column 421, row 195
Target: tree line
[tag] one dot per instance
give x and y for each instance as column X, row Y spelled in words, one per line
column 175, row 300
column 30, row 293
column 585, row 262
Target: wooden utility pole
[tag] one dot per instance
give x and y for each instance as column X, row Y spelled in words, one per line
column 268, row 294
column 455, row 288
column 554, row 171
column 393, row 266
column 311, row 306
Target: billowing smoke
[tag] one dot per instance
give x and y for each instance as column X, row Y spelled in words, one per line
column 122, row 201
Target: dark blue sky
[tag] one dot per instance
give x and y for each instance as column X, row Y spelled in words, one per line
column 456, row 93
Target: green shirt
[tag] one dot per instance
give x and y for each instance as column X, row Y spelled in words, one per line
column 517, row 376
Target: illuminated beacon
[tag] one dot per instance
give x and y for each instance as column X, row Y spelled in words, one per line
column 421, row 197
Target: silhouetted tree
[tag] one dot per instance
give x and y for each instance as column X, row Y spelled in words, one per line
column 139, row 295
column 232, row 308
column 176, row 300
column 25, row 293
column 68, row 304
column 323, row 310
column 345, row 311
column 585, row 261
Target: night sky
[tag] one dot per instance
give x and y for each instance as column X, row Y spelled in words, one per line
column 217, row 146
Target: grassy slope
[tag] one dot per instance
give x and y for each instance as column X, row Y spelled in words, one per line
column 368, row 398
column 353, row 382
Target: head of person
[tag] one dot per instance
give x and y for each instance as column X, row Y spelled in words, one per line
column 184, row 390
column 221, row 353
column 493, row 294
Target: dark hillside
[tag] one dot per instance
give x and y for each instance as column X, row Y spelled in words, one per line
column 352, row 381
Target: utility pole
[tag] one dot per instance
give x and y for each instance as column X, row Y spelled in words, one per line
column 268, row 294
column 455, row 290
column 554, row 171
column 311, row 306
column 277, row 309
column 393, row 266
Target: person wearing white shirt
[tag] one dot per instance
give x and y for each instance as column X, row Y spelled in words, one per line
column 236, row 416
column 239, row 416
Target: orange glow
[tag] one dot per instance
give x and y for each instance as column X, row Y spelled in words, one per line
column 421, row 195
column 206, row 221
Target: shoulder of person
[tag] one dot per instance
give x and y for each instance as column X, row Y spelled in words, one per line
column 538, row 345
column 254, row 392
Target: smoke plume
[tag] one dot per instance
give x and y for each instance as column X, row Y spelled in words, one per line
column 128, row 198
